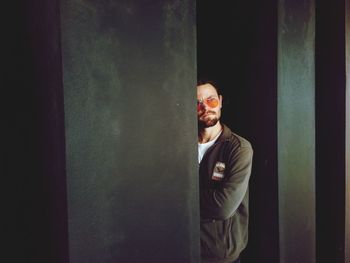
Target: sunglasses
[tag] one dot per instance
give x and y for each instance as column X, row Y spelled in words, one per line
column 210, row 102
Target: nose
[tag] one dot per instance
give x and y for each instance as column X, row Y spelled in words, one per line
column 201, row 106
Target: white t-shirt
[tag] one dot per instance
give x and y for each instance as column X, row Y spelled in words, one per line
column 203, row 147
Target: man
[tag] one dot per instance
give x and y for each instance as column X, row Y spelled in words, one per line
column 225, row 161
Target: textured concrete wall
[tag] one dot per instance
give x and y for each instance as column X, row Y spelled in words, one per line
column 296, row 130
column 129, row 75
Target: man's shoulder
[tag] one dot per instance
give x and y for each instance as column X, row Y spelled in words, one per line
column 243, row 142
column 235, row 140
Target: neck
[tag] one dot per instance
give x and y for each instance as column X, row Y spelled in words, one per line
column 209, row 133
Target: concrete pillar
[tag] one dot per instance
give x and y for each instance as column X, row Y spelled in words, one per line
column 296, row 130
column 130, row 116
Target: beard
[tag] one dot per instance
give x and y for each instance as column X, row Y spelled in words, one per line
column 208, row 121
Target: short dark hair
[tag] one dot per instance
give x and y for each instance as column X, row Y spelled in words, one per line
column 203, row 81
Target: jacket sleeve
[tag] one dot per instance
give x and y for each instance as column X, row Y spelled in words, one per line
column 221, row 203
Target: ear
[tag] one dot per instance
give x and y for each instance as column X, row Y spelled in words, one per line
column 220, row 99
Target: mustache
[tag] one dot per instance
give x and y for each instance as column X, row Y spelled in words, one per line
column 209, row 111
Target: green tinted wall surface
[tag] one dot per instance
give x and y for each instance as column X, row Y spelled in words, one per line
column 129, row 76
column 296, row 130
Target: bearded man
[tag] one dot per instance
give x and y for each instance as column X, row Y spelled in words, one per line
column 225, row 162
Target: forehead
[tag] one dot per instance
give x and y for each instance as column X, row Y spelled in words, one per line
column 205, row 91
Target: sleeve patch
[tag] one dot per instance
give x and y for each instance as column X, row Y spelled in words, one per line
column 219, row 171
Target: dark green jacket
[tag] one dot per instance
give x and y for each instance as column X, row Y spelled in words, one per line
column 224, row 175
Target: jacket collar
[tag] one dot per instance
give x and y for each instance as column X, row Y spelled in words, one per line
column 225, row 134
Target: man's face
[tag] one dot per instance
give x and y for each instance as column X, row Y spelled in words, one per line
column 208, row 105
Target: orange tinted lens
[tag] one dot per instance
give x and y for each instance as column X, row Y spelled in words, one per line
column 212, row 103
